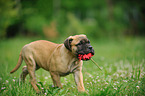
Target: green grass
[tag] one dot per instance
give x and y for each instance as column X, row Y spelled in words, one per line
column 122, row 61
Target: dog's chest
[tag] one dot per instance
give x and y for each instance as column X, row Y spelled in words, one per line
column 72, row 67
column 75, row 65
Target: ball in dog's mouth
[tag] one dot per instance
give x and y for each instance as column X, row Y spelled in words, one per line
column 85, row 56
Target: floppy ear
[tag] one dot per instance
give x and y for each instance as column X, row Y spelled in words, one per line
column 67, row 43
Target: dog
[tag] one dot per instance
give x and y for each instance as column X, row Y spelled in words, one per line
column 59, row 59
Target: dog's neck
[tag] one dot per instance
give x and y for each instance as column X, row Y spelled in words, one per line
column 67, row 52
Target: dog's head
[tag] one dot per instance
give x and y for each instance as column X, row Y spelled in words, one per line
column 79, row 44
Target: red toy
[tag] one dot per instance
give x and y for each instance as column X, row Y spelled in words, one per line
column 85, row 56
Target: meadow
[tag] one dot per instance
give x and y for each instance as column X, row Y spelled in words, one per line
column 122, row 62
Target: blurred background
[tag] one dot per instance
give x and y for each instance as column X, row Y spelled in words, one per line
column 116, row 29
column 52, row 19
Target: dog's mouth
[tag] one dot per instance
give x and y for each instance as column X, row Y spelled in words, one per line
column 85, row 56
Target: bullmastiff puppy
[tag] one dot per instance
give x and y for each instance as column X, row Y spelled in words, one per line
column 59, row 59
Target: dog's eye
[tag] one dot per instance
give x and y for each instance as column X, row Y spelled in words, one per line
column 78, row 44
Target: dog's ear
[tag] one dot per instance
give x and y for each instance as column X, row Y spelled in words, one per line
column 67, row 43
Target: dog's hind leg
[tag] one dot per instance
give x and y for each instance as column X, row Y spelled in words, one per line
column 31, row 67
column 25, row 73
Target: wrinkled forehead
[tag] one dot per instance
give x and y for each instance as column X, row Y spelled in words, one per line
column 78, row 38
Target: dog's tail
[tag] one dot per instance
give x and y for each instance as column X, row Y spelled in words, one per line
column 18, row 64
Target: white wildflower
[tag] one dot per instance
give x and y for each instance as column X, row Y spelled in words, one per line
column 87, row 90
column 46, row 77
column 38, row 84
column 7, row 81
column 90, row 76
column 101, row 89
column 3, row 88
column 122, row 75
column 65, row 78
column 117, row 82
column 106, row 83
column 137, row 87
column 124, row 80
column 94, row 81
column 91, row 83
column 117, row 75
column 13, row 80
column 97, row 77
column 115, row 88
column 45, row 93
column 44, row 82
column 72, row 86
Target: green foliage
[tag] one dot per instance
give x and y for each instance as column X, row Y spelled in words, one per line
column 35, row 23
column 8, row 15
column 75, row 26
column 101, row 19
column 122, row 63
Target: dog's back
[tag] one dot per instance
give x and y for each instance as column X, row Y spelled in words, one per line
column 39, row 50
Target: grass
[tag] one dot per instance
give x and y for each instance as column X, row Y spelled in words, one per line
column 122, row 63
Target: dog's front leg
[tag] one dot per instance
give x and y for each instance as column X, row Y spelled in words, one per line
column 79, row 80
column 56, row 79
